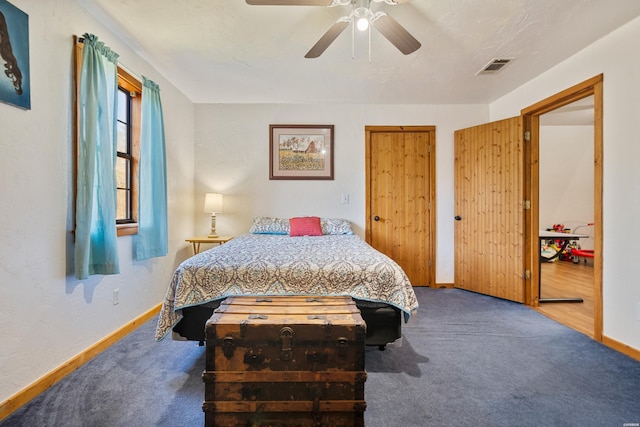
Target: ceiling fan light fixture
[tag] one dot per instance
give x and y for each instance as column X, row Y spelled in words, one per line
column 361, row 15
column 363, row 24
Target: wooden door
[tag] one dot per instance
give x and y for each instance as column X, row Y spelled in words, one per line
column 401, row 197
column 489, row 214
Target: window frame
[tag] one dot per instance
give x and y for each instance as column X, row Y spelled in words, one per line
column 131, row 84
column 124, row 156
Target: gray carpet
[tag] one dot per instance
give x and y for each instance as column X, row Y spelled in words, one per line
column 465, row 360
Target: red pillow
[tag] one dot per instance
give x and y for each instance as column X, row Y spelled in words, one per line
column 305, row 226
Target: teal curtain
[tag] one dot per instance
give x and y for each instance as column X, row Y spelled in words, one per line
column 152, row 238
column 96, row 250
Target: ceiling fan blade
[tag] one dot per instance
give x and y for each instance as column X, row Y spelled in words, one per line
column 328, row 38
column 396, row 33
column 289, row 2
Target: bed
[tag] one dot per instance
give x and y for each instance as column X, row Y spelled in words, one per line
column 272, row 259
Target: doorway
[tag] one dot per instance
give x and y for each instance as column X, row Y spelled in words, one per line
column 480, row 243
column 532, row 122
column 566, row 203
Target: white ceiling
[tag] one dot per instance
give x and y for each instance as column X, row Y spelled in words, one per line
column 225, row 51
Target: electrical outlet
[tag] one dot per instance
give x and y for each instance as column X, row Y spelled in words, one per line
column 116, row 296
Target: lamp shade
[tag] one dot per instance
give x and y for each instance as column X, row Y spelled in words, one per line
column 213, row 203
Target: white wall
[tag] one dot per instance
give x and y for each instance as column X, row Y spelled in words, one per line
column 614, row 56
column 46, row 316
column 566, row 179
column 232, row 157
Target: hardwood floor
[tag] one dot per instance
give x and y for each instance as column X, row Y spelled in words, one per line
column 562, row 279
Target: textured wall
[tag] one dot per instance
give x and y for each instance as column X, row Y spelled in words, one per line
column 46, row 316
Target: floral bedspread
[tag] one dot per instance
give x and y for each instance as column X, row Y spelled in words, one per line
column 258, row 264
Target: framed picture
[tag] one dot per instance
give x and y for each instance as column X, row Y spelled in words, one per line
column 15, row 86
column 300, row 151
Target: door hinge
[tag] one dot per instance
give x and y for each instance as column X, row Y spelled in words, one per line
column 527, row 136
column 527, row 274
column 527, row 204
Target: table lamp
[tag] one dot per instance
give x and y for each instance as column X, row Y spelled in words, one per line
column 213, row 204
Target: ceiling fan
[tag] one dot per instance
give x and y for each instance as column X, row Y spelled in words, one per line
column 361, row 16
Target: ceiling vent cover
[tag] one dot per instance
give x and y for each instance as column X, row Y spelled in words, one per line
column 494, row 66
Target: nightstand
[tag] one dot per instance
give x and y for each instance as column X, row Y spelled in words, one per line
column 195, row 241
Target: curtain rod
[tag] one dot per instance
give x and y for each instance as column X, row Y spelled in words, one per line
column 124, row 67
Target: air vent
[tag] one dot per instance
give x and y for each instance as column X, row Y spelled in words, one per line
column 494, row 66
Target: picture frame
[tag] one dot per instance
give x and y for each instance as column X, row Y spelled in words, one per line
column 15, row 76
column 301, row 152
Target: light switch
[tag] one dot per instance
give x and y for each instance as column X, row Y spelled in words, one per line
column 345, row 198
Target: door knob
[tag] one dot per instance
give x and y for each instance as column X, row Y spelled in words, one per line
column 457, row 217
column 376, row 218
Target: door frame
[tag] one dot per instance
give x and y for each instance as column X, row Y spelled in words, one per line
column 432, row 187
column 531, row 115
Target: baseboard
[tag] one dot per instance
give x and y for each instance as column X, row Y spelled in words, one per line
column 622, row 348
column 22, row 397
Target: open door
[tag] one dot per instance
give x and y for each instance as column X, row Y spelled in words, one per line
column 489, row 228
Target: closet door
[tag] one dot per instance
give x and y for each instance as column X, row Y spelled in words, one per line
column 400, row 197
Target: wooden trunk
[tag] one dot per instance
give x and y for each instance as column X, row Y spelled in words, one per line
column 285, row 361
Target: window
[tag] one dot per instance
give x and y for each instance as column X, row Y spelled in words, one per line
column 124, row 159
column 128, row 147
